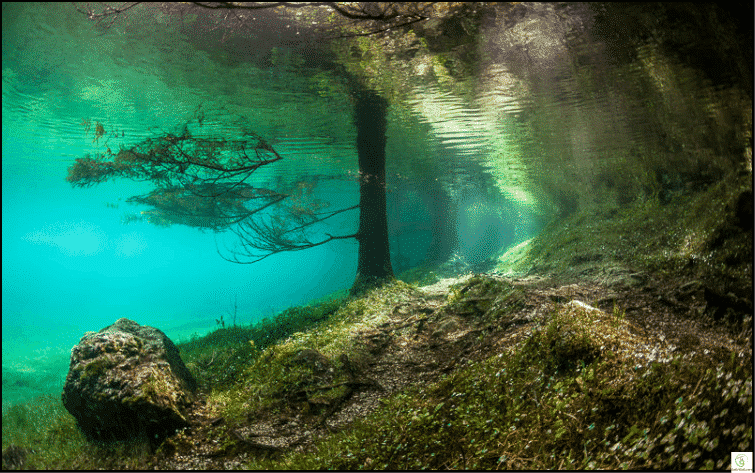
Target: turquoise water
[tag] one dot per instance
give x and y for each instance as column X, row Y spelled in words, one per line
column 71, row 265
column 564, row 107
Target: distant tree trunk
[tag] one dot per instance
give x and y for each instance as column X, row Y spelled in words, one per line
column 444, row 236
column 374, row 263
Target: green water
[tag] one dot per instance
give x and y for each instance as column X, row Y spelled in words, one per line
column 526, row 115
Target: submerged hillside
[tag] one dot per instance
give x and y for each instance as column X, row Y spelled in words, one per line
column 619, row 335
column 621, row 340
column 485, row 373
column 617, row 340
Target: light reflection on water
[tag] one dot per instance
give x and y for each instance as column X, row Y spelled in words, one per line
column 548, row 114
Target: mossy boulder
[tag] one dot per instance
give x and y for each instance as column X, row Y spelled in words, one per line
column 128, row 381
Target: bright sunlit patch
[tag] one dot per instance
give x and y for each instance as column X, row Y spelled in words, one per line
column 73, row 239
column 129, row 245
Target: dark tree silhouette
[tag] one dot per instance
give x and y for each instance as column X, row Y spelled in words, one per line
column 374, row 263
column 367, row 18
column 204, row 182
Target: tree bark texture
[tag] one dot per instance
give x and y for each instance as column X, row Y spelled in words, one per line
column 374, row 262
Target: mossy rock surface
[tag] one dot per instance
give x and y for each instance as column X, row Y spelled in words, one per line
column 128, row 381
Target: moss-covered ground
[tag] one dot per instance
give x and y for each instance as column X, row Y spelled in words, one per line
column 705, row 236
column 540, row 384
column 617, row 340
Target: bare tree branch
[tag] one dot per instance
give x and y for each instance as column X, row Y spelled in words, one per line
column 372, row 17
column 203, row 182
column 107, row 11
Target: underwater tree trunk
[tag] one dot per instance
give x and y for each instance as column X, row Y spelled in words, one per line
column 444, row 235
column 374, row 262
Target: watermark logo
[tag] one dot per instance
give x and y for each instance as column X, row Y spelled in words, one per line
column 741, row 462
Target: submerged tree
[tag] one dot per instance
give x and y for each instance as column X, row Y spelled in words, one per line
column 374, row 264
column 351, row 18
column 199, row 181
column 205, row 182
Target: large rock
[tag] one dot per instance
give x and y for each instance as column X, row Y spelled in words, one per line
column 128, row 381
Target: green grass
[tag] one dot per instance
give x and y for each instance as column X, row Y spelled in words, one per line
column 559, row 399
column 692, row 236
column 48, row 438
column 260, row 385
column 47, row 434
column 218, row 359
column 555, row 402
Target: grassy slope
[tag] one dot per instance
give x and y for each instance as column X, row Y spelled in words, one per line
column 557, row 399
